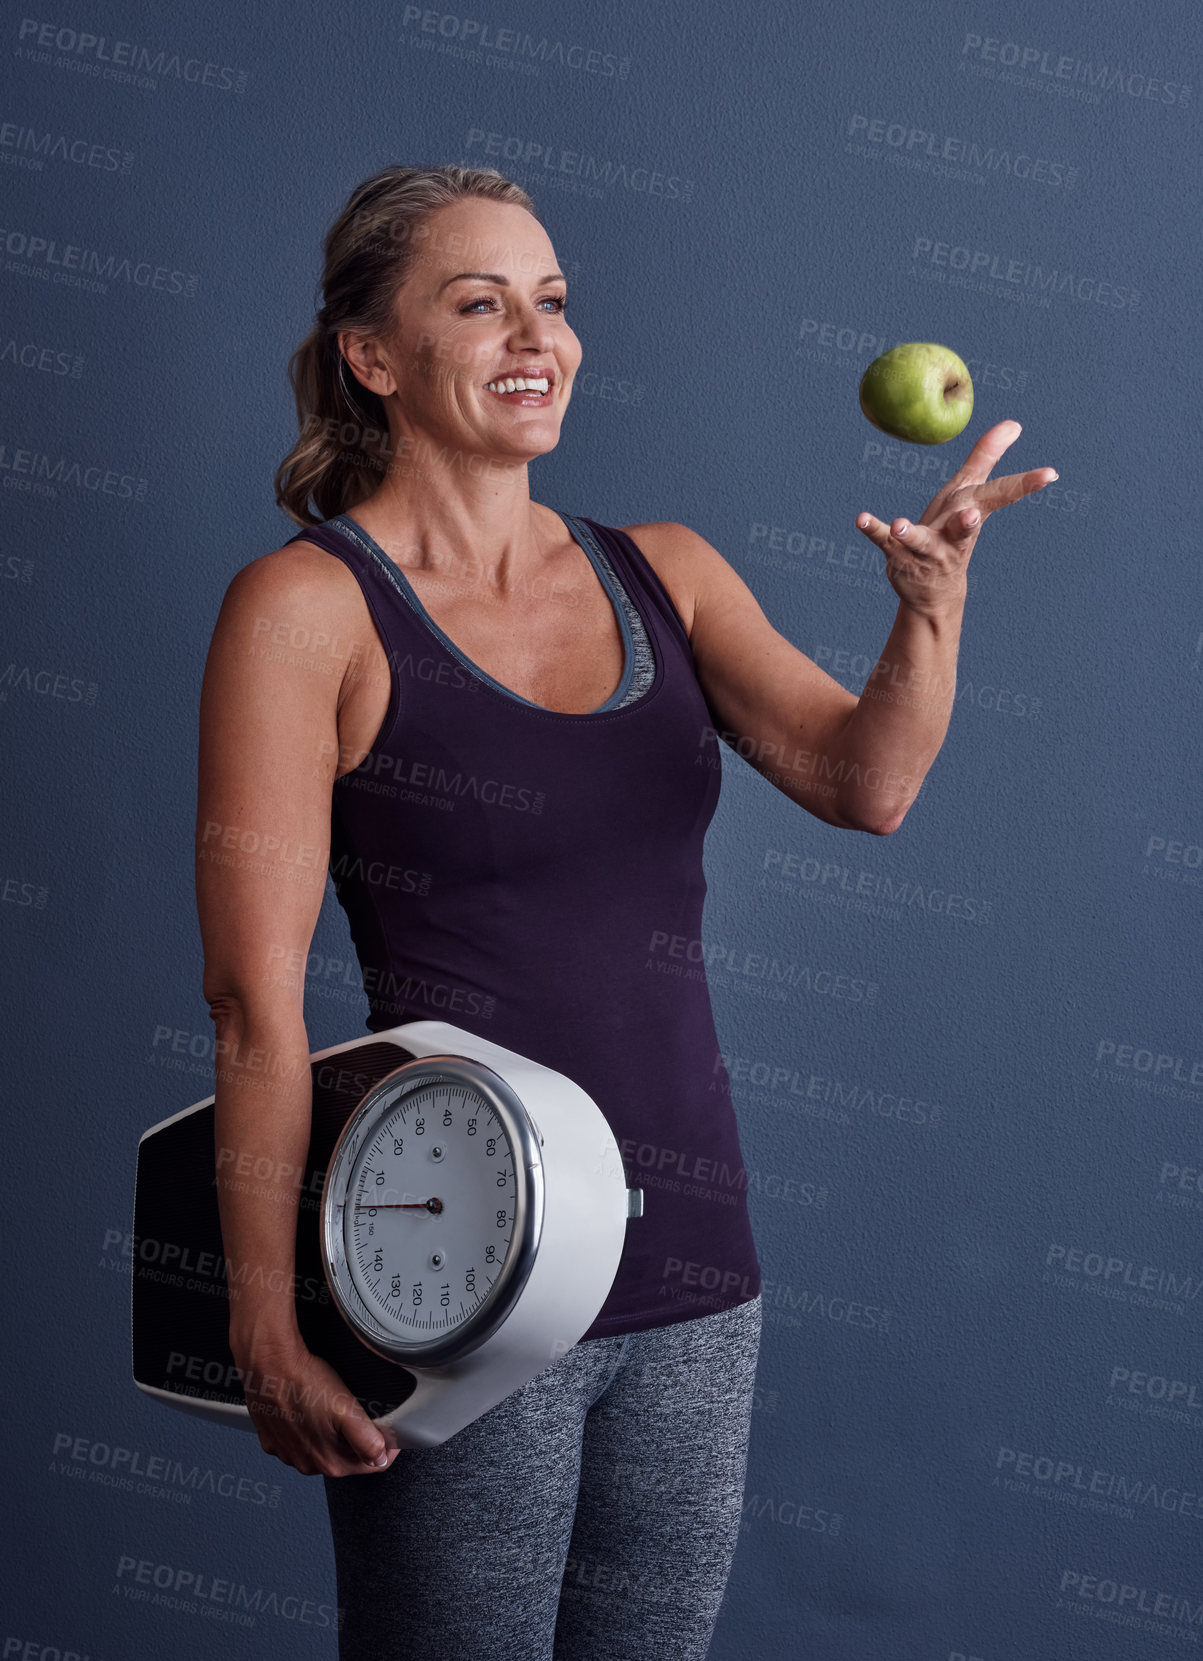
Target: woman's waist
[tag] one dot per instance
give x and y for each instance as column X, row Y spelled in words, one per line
column 637, row 1032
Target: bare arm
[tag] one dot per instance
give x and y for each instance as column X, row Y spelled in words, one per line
column 855, row 762
column 268, row 752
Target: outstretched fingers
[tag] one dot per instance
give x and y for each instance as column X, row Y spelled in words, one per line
column 907, row 546
column 906, row 536
column 998, row 493
column 986, row 453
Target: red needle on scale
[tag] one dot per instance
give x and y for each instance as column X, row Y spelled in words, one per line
column 415, row 1205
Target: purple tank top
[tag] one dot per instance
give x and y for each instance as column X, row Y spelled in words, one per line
column 536, row 877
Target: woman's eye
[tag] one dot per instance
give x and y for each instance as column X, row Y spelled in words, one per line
column 557, row 301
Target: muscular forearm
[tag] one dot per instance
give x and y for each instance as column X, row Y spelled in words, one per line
column 262, row 1114
column 891, row 738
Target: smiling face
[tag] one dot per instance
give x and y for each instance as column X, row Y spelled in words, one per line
column 482, row 305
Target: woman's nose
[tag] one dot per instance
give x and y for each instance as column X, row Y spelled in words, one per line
column 532, row 327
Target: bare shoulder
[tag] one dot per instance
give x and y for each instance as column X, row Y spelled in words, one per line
column 692, row 570
column 299, row 584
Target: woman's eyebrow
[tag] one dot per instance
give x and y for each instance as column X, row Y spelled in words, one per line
column 496, row 277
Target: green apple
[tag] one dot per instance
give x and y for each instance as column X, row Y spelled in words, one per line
column 919, row 392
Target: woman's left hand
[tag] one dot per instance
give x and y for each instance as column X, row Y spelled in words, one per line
column 926, row 559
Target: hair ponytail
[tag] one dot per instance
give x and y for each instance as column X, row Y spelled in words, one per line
column 343, row 449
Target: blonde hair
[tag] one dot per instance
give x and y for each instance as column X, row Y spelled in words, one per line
column 369, row 250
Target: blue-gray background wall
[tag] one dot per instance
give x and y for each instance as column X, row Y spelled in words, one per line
column 967, row 1059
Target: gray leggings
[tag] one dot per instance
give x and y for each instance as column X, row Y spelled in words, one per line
column 590, row 1516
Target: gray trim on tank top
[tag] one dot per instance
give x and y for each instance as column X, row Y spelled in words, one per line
column 639, row 661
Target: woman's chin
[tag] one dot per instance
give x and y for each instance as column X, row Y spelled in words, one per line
column 526, row 446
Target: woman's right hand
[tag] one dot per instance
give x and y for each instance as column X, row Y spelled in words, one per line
column 306, row 1416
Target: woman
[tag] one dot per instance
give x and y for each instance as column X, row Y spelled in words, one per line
column 496, row 726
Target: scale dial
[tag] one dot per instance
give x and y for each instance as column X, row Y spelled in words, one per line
column 432, row 1209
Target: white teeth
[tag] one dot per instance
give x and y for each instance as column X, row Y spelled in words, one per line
column 519, row 383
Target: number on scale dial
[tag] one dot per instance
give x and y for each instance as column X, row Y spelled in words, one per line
column 431, row 1203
